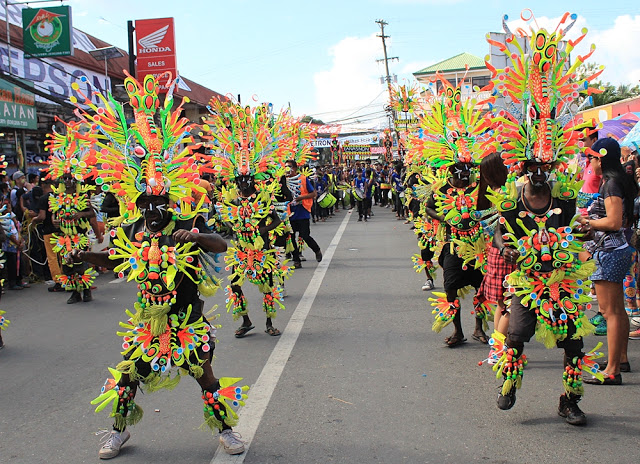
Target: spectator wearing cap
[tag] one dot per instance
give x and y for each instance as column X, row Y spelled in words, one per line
column 609, row 214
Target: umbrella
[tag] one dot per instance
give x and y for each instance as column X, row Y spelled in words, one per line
column 632, row 139
column 616, row 128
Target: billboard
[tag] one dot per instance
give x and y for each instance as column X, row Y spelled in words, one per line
column 47, row 31
column 155, row 49
column 17, row 107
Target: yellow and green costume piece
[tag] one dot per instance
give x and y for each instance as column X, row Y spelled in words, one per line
column 453, row 134
column 534, row 123
column 167, row 327
column 72, row 154
column 252, row 144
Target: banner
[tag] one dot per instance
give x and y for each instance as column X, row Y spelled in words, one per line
column 367, row 139
column 357, row 151
column 17, row 107
column 54, row 77
column 47, row 31
column 156, row 49
column 329, row 129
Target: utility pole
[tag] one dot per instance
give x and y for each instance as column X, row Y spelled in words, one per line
column 382, row 23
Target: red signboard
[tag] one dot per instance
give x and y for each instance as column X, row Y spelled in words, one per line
column 155, row 49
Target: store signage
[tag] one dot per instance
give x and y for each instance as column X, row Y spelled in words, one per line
column 321, row 143
column 47, row 31
column 406, row 122
column 359, row 150
column 156, row 49
column 52, row 76
column 17, row 107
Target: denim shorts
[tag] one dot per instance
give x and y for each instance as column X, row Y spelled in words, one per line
column 613, row 265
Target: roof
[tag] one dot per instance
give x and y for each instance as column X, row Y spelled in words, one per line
column 455, row 63
column 198, row 93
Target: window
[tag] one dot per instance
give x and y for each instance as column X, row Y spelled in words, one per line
column 480, row 81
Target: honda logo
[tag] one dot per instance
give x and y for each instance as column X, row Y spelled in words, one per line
column 149, row 43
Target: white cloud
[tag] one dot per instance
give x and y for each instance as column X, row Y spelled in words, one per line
column 354, row 78
column 616, row 48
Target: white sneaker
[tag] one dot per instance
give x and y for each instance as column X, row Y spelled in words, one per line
column 428, row 285
column 113, row 441
column 231, row 442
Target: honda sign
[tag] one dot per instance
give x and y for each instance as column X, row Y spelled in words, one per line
column 156, row 49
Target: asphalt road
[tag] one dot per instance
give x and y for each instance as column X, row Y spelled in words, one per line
column 357, row 377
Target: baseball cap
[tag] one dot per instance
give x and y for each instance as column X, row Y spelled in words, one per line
column 17, row 175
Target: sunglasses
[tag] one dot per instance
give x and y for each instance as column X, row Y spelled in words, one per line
column 543, row 167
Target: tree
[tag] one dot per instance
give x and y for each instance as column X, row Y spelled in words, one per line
column 610, row 93
column 310, row 119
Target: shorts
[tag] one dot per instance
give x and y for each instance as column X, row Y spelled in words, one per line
column 522, row 326
column 454, row 276
column 613, row 265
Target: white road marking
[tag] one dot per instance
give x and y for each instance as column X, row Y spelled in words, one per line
column 261, row 392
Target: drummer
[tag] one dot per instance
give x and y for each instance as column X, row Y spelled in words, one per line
column 303, row 195
column 322, row 186
column 363, row 182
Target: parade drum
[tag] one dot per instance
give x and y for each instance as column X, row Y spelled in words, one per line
column 384, row 186
column 358, row 194
column 347, row 196
column 326, row 200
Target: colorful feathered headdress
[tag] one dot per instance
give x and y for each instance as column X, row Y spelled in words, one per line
column 144, row 158
column 72, row 152
column 250, row 141
column 452, row 131
column 404, row 98
column 537, row 122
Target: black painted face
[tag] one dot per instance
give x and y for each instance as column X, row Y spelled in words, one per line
column 68, row 180
column 461, row 171
column 538, row 173
column 155, row 210
column 246, row 185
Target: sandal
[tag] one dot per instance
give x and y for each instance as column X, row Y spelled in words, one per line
column 242, row 331
column 272, row 331
column 455, row 341
column 482, row 338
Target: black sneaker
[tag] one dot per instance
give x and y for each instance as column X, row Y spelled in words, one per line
column 360, row 219
column 297, row 264
column 568, row 408
column 74, row 298
column 506, row 402
column 86, row 295
column 56, row 288
column 318, row 255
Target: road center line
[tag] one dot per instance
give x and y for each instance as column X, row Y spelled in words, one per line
column 261, row 392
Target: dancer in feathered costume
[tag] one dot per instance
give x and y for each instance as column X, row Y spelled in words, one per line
column 247, row 155
column 72, row 162
column 453, row 145
column 163, row 245
column 538, row 134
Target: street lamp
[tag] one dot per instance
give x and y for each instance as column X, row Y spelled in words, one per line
column 106, row 53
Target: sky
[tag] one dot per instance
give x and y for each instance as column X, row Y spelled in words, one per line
column 319, row 58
